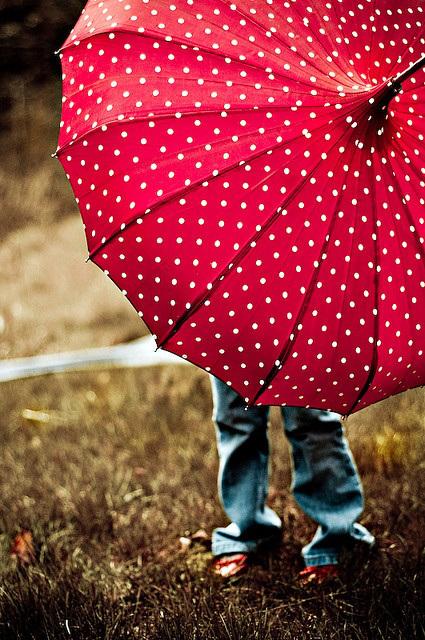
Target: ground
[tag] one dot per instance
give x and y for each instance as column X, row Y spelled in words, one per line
column 52, row 299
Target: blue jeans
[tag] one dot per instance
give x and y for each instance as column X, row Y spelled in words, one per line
column 325, row 481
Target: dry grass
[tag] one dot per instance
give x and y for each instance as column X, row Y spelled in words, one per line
column 122, row 464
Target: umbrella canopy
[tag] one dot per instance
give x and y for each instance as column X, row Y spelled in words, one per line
column 251, row 175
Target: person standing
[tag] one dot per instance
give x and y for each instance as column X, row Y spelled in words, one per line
column 325, row 484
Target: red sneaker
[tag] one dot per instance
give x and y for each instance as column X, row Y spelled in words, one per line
column 319, row 574
column 227, row 566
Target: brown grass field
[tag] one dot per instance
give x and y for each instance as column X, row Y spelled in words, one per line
column 108, row 470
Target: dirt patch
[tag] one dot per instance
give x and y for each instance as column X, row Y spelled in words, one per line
column 52, row 300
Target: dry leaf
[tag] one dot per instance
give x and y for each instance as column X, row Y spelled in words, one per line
column 200, row 536
column 185, row 543
column 139, row 471
column 23, row 548
column 273, row 495
column 36, row 416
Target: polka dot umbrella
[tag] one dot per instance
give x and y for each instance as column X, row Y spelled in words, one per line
column 251, row 175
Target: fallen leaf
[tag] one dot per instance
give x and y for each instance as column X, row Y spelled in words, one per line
column 185, row 543
column 273, row 494
column 139, row 471
column 22, row 547
column 200, row 536
column 35, row 416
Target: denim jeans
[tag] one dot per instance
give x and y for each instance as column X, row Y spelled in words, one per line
column 325, row 482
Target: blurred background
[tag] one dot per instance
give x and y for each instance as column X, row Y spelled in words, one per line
column 51, row 300
column 108, row 478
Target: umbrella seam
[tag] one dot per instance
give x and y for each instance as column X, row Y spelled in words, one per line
column 129, row 118
column 284, row 44
column 188, row 150
column 174, row 40
column 411, row 222
column 407, row 211
column 376, row 281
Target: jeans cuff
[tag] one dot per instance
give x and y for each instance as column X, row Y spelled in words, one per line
column 315, row 560
column 220, row 545
column 218, row 548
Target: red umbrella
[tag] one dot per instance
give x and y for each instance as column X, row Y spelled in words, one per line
column 251, row 175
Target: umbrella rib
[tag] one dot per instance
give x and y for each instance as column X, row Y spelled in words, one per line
column 376, row 282
column 195, row 148
column 279, row 40
column 216, row 82
column 336, row 60
column 178, row 41
column 396, row 228
column 199, row 47
column 349, row 271
column 407, row 211
column 227, row 268
column 129, row 118
column 247, row 246
column 411, row 69
column 284, row 354
column 416, row 234
column 372, row 32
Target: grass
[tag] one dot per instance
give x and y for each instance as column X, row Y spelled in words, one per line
column 120, row 465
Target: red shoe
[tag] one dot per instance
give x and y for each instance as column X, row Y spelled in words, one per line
column 227, row 566
column 319, row 574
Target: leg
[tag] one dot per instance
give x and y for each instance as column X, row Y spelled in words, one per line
column 325, row 482
column 243, row 473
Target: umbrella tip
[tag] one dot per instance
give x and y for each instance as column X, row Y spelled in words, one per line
column 54, row 154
